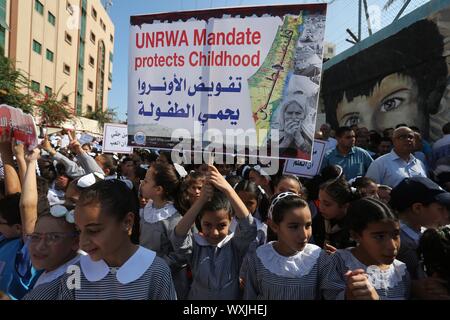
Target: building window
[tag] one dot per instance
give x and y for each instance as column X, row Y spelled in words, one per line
column 111, row 57
column 66, row 69
column 91, row 61
column 89, row 109
column 94, row 14
column 65, row 99
column 330, row 50
column 39, row 7
column 68, row 38
column 111, row 38
column 51, row 18
column 48, row 91
column 50, row 55
column 92, row 37
column 35, row 86
column 90, row 85
column 103, row 25
column 37, row 47
column 69, row 8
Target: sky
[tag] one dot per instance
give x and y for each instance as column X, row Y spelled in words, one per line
column 341, row 14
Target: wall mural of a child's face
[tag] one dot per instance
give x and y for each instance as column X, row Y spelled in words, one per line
column 394, row 100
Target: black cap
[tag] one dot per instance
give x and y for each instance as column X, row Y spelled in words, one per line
column 417, row 190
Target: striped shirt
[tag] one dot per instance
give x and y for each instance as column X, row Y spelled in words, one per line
column 391, row 284
column 263, row 284
column 46, row 291
column 215, row 268
column 155, row 283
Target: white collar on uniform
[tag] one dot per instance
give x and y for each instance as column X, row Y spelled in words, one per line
column 130, row 271
column 295, row 266
column 153, row 215
column 201, row 241
column 47, row 277
column 380, row 279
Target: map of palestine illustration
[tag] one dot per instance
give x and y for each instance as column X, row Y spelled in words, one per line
column 267, row 84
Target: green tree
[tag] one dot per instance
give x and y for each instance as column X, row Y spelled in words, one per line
column 13, row 84
column 52, row 111
column 102, row 117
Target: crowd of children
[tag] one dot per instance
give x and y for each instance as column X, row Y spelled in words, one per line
column 92, row 227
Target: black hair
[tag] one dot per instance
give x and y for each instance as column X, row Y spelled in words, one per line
column 148, row 155
column 2, row 189
column 47, row 169
column 87, row 144
column 446, row 128
column 109, row 163
column 260, row 196
column 10, row 209
column 303, row 191
column 234, row 180
column 115, row 199
column 182, row 203
column 167, row 177
column 249, row 186
column 61, row 170
column 434, row 247
column 166, row 154
column 362, row 182
column 313, row 185
column 284, row 205
column 362, row 212
column 385, row 139
column 401, row 53
column 386, row 131
column 340, row 191
column 341, row 131
column 217, row 202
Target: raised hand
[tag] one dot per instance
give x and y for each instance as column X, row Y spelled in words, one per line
column 74, row 144
column 206, row 193
column 33, row 155
column 46, row 145
column 217, row 180
column 359, row 286
column 18, row 149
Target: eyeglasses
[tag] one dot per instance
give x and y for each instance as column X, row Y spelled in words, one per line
column 49, row 238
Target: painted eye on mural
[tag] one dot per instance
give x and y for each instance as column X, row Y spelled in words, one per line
column 391, row 104
column 350, row 119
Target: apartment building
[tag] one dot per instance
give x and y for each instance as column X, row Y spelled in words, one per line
column 64, row 45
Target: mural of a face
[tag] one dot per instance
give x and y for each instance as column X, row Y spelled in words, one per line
column 392, row 101
column 402, row 79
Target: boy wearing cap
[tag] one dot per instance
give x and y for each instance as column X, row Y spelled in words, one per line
column 420, row 203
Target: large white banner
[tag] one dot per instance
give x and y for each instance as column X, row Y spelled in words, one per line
column 229, row 73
